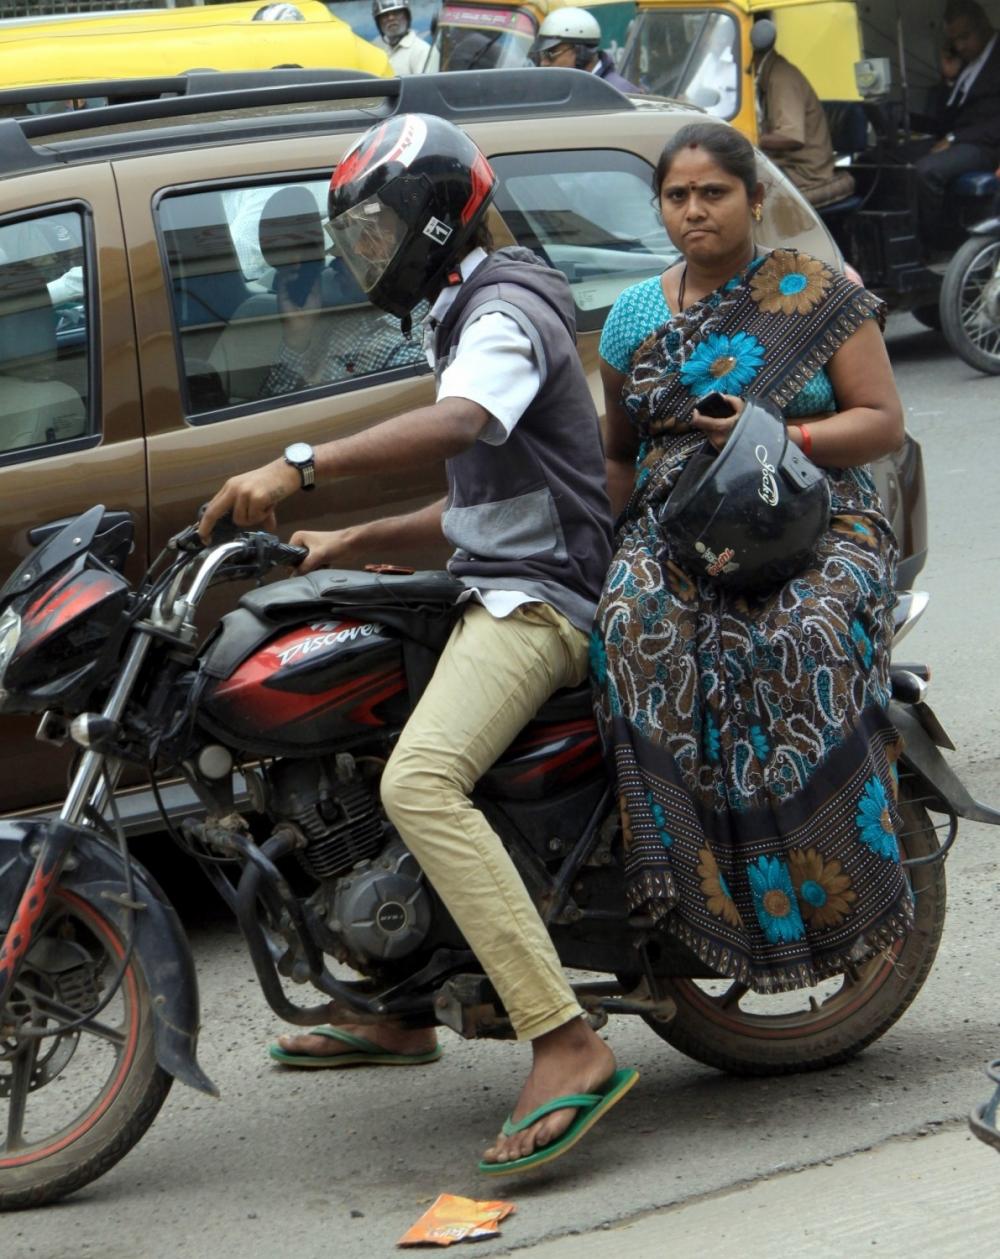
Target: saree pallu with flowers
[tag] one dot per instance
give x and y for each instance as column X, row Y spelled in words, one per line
column 754, row 758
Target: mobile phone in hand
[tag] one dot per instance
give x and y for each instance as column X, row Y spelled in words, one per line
column 714, row 405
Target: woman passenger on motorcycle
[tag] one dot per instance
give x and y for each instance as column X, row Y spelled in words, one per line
column 749, row 734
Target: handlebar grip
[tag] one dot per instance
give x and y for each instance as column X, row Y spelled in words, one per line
column 291, row 555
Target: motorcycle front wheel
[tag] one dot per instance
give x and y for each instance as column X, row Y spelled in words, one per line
column 79, row 1085
column 970, row 303
column 726, row 1025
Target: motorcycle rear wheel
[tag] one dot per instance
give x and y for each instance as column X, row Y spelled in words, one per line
column 725, row 1025
column 74, row 1103
column 970, row 304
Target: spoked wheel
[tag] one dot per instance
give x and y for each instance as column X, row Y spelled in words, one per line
column 970, row 303
column 726, row 1025
column 74, row 1102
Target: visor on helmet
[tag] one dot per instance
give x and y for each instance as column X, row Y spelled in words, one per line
column 368, row 237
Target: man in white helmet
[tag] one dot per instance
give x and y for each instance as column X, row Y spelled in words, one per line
column 572, row 38
column 407, row 52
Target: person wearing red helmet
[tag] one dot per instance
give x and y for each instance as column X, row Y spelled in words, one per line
column 528, row 516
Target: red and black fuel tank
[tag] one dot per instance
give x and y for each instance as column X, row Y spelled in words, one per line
column 320, row 686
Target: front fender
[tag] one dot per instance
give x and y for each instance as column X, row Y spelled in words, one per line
column 94, row 872
column 988, row 227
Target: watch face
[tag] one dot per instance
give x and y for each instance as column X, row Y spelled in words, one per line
column 299, row 452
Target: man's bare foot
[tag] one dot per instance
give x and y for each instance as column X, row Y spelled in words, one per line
column 388, row 1036
column 572, row 1059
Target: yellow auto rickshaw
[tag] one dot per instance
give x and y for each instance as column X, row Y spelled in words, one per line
column 874, row 64
column 701, row 53
column 142, row 44
column 492, row 34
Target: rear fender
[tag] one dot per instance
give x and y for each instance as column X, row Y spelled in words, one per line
column 94, row 872
column 937, row 777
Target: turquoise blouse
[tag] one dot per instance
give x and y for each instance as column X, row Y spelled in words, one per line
column 642, row 308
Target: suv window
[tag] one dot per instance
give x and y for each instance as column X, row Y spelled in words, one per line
column 589, row 213
column 44, row 350
column 261, row 306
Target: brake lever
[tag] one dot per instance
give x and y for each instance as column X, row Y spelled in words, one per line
column 189, row 540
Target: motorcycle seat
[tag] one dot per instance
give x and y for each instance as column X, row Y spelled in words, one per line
column 571, row 704
column 329, row 589
column 975, row 183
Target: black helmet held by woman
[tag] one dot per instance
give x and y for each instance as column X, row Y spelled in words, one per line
column 749, row 517
column 405, row 204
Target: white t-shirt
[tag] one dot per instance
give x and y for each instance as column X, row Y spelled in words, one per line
column 495, row 366
column 409, row 55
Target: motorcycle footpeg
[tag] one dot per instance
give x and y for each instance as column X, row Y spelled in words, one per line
column 469, row 1005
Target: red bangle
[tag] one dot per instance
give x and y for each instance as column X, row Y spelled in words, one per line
column 807, row 441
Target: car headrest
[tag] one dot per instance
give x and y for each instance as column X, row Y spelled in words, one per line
column 291, row 230
column 27, row 319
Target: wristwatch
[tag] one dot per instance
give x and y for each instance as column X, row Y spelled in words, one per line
column 300, row 456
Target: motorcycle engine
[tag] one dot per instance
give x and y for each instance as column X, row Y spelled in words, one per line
column 372, row 893
column 382, row 909
column 333, row 807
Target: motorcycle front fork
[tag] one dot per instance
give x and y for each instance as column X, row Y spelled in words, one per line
column 89, row 791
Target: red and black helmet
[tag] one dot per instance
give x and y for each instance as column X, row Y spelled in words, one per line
column 405, row 203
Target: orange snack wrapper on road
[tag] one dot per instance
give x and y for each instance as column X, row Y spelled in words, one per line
column 452, row 1219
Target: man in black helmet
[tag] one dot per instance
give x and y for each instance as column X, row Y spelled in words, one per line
column 528, row 516
column 407, row 52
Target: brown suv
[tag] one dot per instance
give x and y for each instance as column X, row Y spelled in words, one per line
column 141, row 249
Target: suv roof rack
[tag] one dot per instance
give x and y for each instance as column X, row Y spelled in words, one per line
column 249, row 97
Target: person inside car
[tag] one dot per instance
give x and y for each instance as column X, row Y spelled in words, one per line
column 967, row 122
column 572, row 38
column 407, row 52
column 329, row 330
column 528, row 515
column 794, row 132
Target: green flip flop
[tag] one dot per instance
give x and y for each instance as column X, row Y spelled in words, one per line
column 589, row 1107
column 366, row 1053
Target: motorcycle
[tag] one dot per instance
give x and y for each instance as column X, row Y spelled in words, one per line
column 302, row 689
column 969, row 302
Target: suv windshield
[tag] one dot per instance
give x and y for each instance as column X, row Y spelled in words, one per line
column 470, row 37
column 687, row 54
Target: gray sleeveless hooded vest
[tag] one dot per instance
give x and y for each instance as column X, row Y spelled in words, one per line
column 531, row 514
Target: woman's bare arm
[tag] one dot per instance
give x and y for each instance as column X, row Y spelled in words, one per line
column 620, row 441
column 869, row 423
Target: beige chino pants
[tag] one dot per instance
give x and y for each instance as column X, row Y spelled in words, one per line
column 492, row 678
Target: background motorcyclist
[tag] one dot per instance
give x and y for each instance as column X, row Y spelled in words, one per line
column 528, row 515
column 407, row 52
column 572, row 38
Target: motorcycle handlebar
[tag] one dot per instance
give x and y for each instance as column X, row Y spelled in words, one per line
column 269, row 550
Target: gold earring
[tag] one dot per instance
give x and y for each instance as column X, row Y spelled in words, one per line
column 758, row 213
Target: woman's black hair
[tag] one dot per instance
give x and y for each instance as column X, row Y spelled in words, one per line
column 732, row 151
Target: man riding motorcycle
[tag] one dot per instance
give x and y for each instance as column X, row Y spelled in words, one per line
column 528, row 515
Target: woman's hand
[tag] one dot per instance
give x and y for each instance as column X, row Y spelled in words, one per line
column 717, row 430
